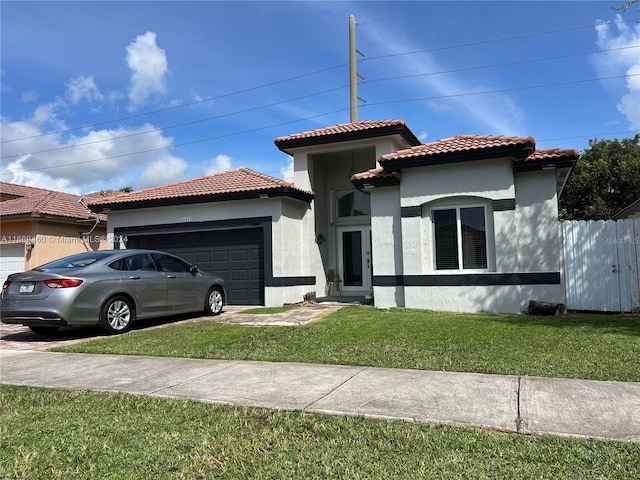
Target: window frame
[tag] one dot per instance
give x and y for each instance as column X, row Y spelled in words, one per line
column 488, row 230
column 340, row 194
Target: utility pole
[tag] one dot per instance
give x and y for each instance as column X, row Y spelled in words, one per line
column 353, row 71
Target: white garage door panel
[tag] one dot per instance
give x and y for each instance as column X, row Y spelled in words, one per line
column 11, row 260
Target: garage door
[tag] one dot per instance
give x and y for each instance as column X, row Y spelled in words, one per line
column 236, row 255
column 11, row 260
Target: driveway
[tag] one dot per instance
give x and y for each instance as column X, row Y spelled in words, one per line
column 17, row 337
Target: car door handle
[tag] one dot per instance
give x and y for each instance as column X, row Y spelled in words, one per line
column 171, row 276
column 134, row 277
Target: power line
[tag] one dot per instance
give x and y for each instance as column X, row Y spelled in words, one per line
column 192, row 122
column 201, row 120
column 277, row 82
column 497, row 65
column 180, row 144
column 591, row 135
column 322, row 115
column 485, row 92
column 504, row 39
column 175, row 107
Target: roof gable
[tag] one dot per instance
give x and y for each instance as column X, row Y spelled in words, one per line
column 242, row 183
column 348, row 131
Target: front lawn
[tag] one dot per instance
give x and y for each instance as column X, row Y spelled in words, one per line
column 54, row 434
column 600, row 347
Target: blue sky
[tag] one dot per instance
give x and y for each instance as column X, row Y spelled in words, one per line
column 101, row 95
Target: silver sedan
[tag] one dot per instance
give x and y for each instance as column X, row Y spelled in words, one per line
column 109, row 289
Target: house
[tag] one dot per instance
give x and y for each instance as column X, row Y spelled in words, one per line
column 39, row 225
column 468, row 223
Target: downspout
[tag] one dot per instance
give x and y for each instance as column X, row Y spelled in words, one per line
column 85, row 236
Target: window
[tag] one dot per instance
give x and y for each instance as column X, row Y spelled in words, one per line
column 354, row 203
column 134, row 263
column 171, row 264
column 76, row 261
column 460, row 238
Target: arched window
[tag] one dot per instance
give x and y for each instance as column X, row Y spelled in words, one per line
column 353, row 204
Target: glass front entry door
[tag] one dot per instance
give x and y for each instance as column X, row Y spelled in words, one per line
column 354, row 259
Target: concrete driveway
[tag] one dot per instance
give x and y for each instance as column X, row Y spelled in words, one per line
column 18, row 337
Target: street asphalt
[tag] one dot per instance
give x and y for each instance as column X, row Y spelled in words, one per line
column 519, row 404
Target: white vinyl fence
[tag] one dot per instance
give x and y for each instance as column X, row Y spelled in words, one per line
column 601, row 261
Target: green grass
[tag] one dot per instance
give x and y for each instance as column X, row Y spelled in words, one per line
column 601, row 347
column 52, row 434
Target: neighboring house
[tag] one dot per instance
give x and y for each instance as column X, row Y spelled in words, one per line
column 468, row 223
column 39, row 225
column 632, row 211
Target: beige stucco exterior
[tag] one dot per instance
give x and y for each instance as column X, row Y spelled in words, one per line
column 45, row 240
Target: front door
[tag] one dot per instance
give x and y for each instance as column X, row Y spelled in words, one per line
column 354, row 259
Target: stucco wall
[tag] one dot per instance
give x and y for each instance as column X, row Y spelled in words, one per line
column 53, row 240
column 191, row 213
column 290, row 233
column 522, row 237
column 492, row 298
column 538, row 233
column 386, row 233
column 454, row 184
column 488, row 178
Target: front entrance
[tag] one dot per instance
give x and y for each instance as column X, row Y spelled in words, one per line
column 354, row 259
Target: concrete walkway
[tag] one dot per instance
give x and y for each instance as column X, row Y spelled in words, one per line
column 609, row 410
column 583, row 408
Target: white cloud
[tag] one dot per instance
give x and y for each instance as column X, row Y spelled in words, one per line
column 164, row 170
column 29, row 97
column 286, row 172
column 83, row 88
column 422, row 136
column 149, row 67
column 70, row 169
column 625, row 61
column 46, row 115
column 220, row 163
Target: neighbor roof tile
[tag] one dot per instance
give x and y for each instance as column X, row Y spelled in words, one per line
column 39, row 201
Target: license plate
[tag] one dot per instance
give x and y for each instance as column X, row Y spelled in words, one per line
column 27, row 287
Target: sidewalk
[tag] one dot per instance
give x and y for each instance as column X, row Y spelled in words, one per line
column 584, row 408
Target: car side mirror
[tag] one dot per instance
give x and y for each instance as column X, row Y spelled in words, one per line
column 193, row 269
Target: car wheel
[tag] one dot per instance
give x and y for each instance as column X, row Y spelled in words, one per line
column 116, row 316
column 214, row 301
column 44, row 330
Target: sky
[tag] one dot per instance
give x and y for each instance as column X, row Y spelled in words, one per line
column 105, row 95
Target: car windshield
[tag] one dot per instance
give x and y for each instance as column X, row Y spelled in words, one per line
column 75, row 261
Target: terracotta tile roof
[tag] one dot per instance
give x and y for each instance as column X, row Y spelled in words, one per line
column 17, row 190
column 461, row 145
column 219, row 186
column 348, row 131
column 552, row 154
column 39, row 201
column 376, row 177
column 375, row 173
